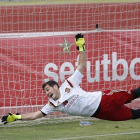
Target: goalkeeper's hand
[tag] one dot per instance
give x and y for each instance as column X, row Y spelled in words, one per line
column 80, row 42
column 10, row 118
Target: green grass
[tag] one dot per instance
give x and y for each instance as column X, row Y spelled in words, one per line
column 36, row 2
column 100, row 130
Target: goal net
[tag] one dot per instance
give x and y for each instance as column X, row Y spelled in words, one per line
column 30, row 52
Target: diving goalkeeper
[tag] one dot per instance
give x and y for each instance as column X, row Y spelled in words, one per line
column 71, row 99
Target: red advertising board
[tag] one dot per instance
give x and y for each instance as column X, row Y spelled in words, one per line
column 113, row 61
column 27, row 60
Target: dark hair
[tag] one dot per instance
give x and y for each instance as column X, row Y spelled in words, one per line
column 51, row 83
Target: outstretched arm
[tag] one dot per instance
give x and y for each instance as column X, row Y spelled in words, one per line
column 29, row 116
column 32, row 116
column 80, row 41
column 82, row 62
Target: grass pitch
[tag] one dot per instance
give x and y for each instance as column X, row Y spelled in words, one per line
column 100, row 130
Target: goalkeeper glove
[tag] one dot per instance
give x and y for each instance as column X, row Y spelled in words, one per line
column 10, row 118
column 80, row 41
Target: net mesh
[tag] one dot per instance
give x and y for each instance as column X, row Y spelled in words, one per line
column 30, row 53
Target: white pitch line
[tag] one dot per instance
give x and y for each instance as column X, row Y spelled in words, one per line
column 84, row 137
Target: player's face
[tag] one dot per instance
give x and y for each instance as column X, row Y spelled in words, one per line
column 52, row 92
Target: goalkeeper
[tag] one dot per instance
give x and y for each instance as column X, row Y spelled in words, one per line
column 71, row 99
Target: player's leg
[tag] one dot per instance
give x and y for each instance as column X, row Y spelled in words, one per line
column 111, row 110
column 136, row 92
column 121, row 97
column 122, row 113
column 135, row 113
column 124, row 97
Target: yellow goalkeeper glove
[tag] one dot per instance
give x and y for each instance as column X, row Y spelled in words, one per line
column 10, row 118
column 80, row 41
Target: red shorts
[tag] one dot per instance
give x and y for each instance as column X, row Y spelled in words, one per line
column 112, row 106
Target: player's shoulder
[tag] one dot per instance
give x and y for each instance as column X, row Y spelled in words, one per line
column 64, row 84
